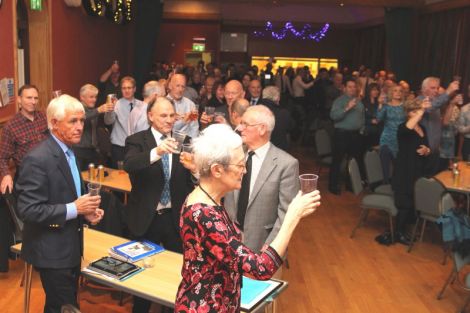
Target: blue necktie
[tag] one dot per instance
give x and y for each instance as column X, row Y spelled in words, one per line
column 165, row 197
column 74, row 170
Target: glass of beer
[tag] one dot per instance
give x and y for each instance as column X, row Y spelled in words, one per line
column 194, row 113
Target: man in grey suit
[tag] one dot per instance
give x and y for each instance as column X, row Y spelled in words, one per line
column 271, row 181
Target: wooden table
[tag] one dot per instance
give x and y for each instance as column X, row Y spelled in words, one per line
column 117, row 180
column 157, row 284
column 462, row 184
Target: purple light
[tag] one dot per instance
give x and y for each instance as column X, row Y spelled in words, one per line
column 304, row 33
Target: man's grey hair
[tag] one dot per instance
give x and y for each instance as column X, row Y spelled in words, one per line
column 239, row 106
column 153, row 87
column 429, row 79
column 88, row 88
column 214, row 145
column 263, row 115
column 58, row 107
column 272, row 93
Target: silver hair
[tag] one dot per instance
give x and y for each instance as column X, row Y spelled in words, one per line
column 429, row 79
column 263, row 115
column 272, row 93
column 153, row 87
column 58, row 107
column 214, row 145
column 88, row 88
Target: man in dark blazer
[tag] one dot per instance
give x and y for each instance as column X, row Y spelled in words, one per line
column 52, row 205
column 159, row 181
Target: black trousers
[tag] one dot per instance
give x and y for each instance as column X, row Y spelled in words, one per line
column 60, row 286
column 345, row 143
column 6, row 235
column 161, row 231
column 117, row 154
column 85, row 156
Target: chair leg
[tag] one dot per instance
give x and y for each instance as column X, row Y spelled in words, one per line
column 449, row 279
column 392, row 232
column 415, row 228
column 28, row 268
column 422, row 231
column 362, row 217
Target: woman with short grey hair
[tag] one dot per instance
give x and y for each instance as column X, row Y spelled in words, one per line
column 215, row 258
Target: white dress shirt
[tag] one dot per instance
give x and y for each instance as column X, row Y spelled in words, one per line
column 256, row 161
column 183, row 106
column 138, row 120
column 119, row 118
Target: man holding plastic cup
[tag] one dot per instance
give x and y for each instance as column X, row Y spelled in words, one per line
column 53, row 205
column 160, row 183
column 269, row 185
column 183, row 106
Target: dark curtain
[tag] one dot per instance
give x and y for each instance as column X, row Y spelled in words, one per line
column 148, row 19
column 370, row 48
column 441, row 46
column 398, row 23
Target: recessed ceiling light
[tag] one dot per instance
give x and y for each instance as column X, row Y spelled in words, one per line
column 341, row 4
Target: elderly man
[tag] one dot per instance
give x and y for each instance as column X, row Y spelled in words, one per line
column 270, row 183
column 432, row 116
column 283, row 122
column 86, row 150
column 347, row 114
column 20, row 134
column 183, row 106
column 119, row 118
column 238, row 108
column 254, row 91
column 160, row 183
column 138, row 120
column 53, row 205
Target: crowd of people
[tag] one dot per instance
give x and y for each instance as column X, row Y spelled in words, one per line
column 239, row 178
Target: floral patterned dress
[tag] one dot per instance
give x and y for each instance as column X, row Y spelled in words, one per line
column 215, row 260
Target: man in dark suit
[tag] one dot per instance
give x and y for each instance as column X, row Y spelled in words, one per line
column 52, row 205
column 160, row 183
column 254, row 89
column 283, row 121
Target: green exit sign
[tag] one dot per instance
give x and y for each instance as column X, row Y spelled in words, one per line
column 36, row 5
column 199, row 46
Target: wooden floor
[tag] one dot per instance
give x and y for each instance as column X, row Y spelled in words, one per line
column 329, row 272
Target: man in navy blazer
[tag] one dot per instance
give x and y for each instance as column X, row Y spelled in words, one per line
column 160, row 183
column 53, row 207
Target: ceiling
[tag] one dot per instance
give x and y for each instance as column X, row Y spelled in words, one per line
column 255, row 12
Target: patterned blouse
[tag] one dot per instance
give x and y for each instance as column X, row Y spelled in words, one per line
column 215, row 260
column 391, row 116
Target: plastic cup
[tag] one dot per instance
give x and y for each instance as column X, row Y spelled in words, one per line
column 308, row 183
column 179, row 137
column 94, row 189
column 209, row 110
column 120, row 166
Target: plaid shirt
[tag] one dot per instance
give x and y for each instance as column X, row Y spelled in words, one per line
column 19, row 136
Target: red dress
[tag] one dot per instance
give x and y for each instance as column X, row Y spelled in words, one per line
column 215, row 260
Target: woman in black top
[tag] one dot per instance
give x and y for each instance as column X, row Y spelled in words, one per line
column 410, row 164
column 373, row 128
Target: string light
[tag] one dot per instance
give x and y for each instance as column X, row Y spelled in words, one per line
column 305, row 33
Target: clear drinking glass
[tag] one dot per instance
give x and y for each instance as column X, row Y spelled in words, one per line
column 308, row 183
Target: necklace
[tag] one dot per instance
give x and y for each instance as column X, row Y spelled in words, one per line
column 208, row 195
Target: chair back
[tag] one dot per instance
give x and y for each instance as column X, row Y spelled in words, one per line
column 373, row 167
column 322, row 143
column 10, row 199
column 355, row 176
column 428, row 196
